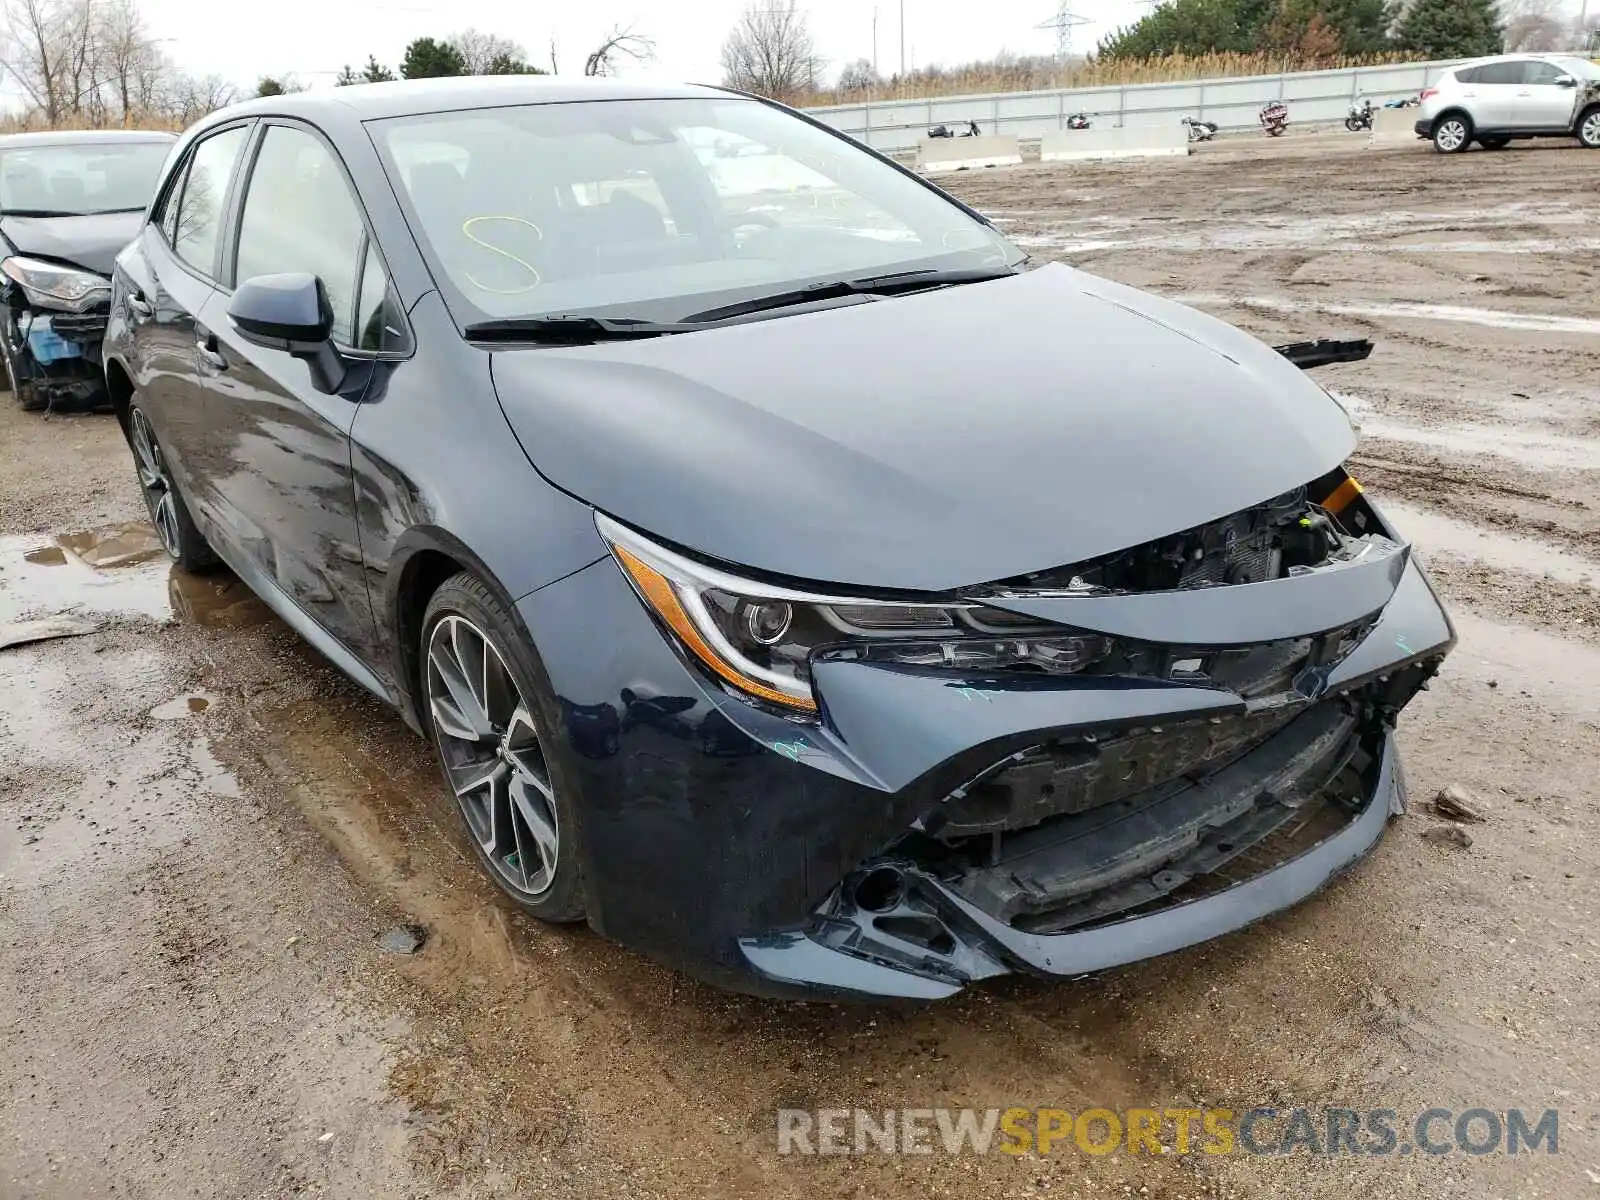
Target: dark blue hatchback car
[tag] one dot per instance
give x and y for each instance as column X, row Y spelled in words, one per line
column 796, row 581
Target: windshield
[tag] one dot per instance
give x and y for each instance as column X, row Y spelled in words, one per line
column 90, row 177
column 658, row 209
column 1579, row 68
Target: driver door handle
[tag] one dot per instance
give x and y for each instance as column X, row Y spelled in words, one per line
column 138, row 305
column 205, row 345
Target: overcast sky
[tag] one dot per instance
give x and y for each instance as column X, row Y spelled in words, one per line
column 313, row 38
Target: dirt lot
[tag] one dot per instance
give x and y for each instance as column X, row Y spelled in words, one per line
column 203, row 829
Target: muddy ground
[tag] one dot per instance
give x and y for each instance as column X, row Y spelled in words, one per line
column 203, row 829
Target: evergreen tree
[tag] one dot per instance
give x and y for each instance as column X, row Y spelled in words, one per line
column 1451, row 29
column 510, row 64
column 376, row 72
column 1249, row 26
column 428, row 58
column 346, row 76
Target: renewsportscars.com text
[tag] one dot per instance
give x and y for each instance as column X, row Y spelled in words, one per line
column 1098, row 1131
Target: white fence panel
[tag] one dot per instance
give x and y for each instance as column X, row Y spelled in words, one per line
column 1313, row 97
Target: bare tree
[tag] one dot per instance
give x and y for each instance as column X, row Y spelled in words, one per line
column 1533, row 26
column 621, row 43
column 188, row 98
column 480, row 50
column 770, row 52
column 859, row 76
column 33, row 51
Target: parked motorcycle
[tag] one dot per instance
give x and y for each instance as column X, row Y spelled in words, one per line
column 944, row 131
column 1078, row 121
column 1200, row 131
column 1360, row 116
column 1274, row 118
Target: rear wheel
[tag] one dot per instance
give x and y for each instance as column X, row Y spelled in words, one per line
column 1494, row 143
column 184, row 543
column 494, row 719
column 1452, row 134
column 1589, row 129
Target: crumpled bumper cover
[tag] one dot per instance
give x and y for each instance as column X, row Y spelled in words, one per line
column 716, row 835
column 796, row 959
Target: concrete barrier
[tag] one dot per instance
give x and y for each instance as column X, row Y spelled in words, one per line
column 960, row 153
column 1394, row 127
column 1138, row 141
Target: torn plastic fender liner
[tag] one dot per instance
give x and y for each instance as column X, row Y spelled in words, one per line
column 900, row 724
column 1245, row 614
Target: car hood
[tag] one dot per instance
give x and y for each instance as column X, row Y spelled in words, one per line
column 930, row 441
column 91, row 241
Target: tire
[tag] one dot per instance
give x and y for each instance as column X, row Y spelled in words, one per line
column 1494, row 143
column 184, row 543
column 23, row 391
column 498, row 748
column 1452, row 133
column 1353, row 125
column 1589, row 128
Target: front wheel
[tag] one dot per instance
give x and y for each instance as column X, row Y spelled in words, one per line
column 1452, row 135
column 1353, row 125
column 1589, row 129
column 494, row 722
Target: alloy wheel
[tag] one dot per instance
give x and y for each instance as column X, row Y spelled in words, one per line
column 492, row 755
column 155, row 482
column 1452, row 135
column 1589, row 134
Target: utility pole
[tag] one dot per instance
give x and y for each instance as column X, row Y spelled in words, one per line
column 874, row 39
column 902, row 39
column 1062, row 23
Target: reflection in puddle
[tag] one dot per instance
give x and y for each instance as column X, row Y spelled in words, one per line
column 120, row 570
column 37, row 578
column 219, row 601
column 114, row 546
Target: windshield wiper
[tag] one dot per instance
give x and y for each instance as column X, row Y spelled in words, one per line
column 865, row 285
column 572, row 330
column 34, row 212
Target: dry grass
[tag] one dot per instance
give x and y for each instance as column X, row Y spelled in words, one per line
column 989, row 78
column 34, row 122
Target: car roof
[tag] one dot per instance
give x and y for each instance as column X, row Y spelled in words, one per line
column 83, row 137
column 409, row 97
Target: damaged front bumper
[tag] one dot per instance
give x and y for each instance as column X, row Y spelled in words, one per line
column 57, row 355
column 934, row 829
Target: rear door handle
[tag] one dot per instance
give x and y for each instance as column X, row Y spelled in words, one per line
column 205, row 345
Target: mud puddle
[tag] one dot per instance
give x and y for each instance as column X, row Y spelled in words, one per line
column 117, row 571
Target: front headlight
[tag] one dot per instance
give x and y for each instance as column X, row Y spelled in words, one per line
column 51, row 285
column 762, row 638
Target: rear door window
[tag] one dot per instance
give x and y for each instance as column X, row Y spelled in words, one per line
column 1505, row 73
column 195, row 226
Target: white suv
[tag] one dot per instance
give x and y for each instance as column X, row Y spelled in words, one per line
column 1493, row 100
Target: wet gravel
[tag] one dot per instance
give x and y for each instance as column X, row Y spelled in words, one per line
column 205, row 832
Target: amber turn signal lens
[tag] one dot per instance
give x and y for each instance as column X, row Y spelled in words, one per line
column 658, row 592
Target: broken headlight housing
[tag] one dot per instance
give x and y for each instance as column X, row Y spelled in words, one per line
column 52, row 285
column 761, row 638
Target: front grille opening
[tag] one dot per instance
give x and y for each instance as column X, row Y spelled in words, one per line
column 1205, row 807
column 1285, row 535
column 925, row 932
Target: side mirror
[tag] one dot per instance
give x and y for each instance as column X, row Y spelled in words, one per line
column 1566, row 81
column 291, row 313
